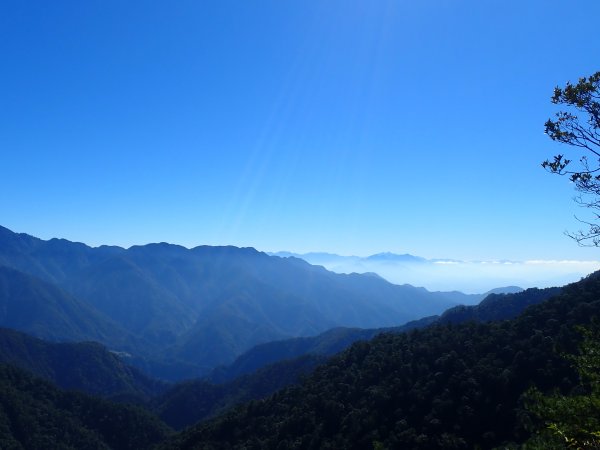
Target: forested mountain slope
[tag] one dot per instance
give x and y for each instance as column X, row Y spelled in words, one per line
column 286, row 361
column 189, row 402
column 498, row 306
column 446, row 386
column 493, row 307
column 36, row 415
column 85, row 366
column 90, row 368
column 42, row 309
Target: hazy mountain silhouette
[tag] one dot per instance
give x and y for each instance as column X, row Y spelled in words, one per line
column 256, row 374
column 44, row 310
column 195, row 308
column 443, row 274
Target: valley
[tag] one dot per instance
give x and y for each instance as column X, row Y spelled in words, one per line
column 299, row 225
column 181, row 312
column 263, row 340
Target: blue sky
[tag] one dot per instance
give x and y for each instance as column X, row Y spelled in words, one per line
column 348, row 126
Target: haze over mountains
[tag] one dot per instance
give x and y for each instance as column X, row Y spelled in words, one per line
column 494, row 307
column 454, row 274
column 262, row 331
column 180, row 312
column 91, row 368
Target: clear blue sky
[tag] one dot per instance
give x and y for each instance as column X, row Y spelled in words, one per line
column 344, row 126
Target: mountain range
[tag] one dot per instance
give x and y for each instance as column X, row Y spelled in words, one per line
column 180, row 312
column 89, row 367
column 453, row 378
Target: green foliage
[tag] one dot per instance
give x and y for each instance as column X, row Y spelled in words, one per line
column 579, row 127
column 572, row 421
column 568, row 128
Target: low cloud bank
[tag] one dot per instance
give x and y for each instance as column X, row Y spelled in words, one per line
column 465, row 276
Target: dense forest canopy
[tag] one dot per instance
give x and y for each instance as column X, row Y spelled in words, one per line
column 447, row 386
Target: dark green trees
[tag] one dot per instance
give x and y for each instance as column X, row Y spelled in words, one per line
column 447, row 386
column 571, row 421
column 579, row 126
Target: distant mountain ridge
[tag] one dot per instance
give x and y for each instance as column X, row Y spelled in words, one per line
column 387, row 263
column 266, row 368
column 445, row 274
column 401, row 374
column 195, row 308
column 388, row 256
column 382, row 256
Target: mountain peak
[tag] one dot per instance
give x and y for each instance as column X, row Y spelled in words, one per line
column 388, row 256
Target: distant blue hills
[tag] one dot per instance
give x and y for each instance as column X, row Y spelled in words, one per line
column 316, row 257
column 383, row 257
column 181, row 312
column 445, row 274
column 418, row 271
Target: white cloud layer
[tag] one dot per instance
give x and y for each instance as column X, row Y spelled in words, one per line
column 465, row 276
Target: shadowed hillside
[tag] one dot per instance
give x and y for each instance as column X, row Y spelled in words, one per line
column 84, row 366
column 36, row 415
column 446, row 386
column 193, row 309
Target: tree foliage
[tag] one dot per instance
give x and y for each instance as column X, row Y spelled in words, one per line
column 579, row 127
column 34, row 414
column 572, row 421
column 192, row 401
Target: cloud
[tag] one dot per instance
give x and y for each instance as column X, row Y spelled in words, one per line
column 467, row 276
column 563, row 262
